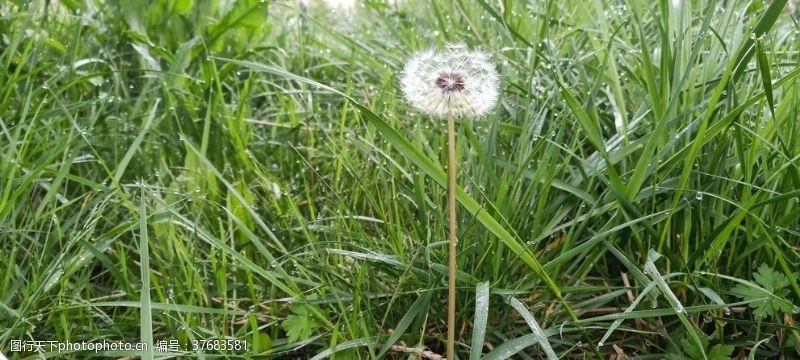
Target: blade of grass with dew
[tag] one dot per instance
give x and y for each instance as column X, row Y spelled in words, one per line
column 766, row 79
column 630, row 308
column 511, row 347
column 714, row 297
column 680, row 311
column 146, row 315
column 762, row 27
column 481, row 318
column 538, row 333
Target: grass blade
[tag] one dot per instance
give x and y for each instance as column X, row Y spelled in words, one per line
column 418, row 307
column 766, row 78
column 539, row 334
column 146, row 314
column 123, row 164
column 481, row 317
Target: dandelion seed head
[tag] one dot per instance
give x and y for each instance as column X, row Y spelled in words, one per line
column 454, row 82
column 450, row 81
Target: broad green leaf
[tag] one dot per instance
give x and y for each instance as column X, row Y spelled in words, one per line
column 244, row 13
column 768, row 295
column 301, row 324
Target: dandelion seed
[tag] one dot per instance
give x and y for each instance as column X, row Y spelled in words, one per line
column 455, row 82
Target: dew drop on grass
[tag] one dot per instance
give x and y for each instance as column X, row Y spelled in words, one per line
column 699, row 195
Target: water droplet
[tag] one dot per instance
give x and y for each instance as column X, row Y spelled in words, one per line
column 699, row 195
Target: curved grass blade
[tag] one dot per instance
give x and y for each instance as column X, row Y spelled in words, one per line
column 418, row 307
column 481, row 316
column 511, row 347
column 539, row 334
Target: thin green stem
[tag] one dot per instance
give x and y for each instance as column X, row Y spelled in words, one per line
column 451, row 204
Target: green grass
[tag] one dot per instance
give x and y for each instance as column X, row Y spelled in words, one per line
column 248, row 170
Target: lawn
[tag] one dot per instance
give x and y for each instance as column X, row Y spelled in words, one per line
column 245, row 179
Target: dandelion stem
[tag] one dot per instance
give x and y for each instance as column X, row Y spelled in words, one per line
column 451, row 204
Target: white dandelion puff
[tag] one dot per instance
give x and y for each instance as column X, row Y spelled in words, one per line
column 454, row 82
